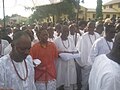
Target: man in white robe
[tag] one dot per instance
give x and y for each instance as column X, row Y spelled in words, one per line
column 8, row 49
column 104, row 44
column 84, row 45
column 105, row 72
column 9, row 78
column 17, row 71
column 74, row 35
column 57, row 31
column 66, row 70
column 82, row 25
column 51, row 34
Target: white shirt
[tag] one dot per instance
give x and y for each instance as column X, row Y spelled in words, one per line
column 74, row 38
column 4, row 45
column 8, row 49
column 66, row 70
column 55, row 35
column 105, row 74
column 100, row 46
column 84, row 45
column 9, row 78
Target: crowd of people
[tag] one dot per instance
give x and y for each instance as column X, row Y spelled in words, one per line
column 67, row 56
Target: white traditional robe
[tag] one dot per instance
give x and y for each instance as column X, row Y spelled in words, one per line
column 81, row 31
column 8, row 49
column 75, row 38
column 66, row 70
column 55, row 35
column 51, row 85
column 85, row 43
column 4, row 45
column 9, row 78
column 11, row 35
column 100, row 46
column 105, row 74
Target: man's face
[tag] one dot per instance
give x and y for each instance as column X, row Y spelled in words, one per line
column 73, row 30
column 111, row 33
column 65, row 33
column 22, row 47
column 91, row 27
column 100, row 29
column 82, row 27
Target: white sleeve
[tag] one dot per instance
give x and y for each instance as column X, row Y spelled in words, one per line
column 56, row 41
column 93, row 52
column 8, row 49
column 79, row 44
column 2, row 75
column 110, row 82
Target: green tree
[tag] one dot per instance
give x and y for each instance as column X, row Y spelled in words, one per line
column 6, row 19
column 65, row 7
column 99, row 9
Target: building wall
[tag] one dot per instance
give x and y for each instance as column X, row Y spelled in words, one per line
column 83, row 13
column 114, row 6
column 117, row 7
column 91, row 16
column 110, row 14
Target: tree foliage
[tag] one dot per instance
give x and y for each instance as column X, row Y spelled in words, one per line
column 66, row 7
column 99, row 9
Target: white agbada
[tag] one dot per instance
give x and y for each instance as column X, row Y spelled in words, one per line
column 4, row 45
column 100, row 46
column 105, row 74
column 9, row 78
column 55, row 35
column 8, row 49
column 75, row 38
column 66, row 70
column 84, row 45
column 81, row 31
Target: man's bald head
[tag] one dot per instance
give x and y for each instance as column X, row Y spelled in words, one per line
column 17, row 36
column 20, row 46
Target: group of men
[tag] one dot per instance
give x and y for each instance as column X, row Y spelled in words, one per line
column 75, row 57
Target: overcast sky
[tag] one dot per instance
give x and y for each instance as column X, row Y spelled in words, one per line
column 17, row 6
